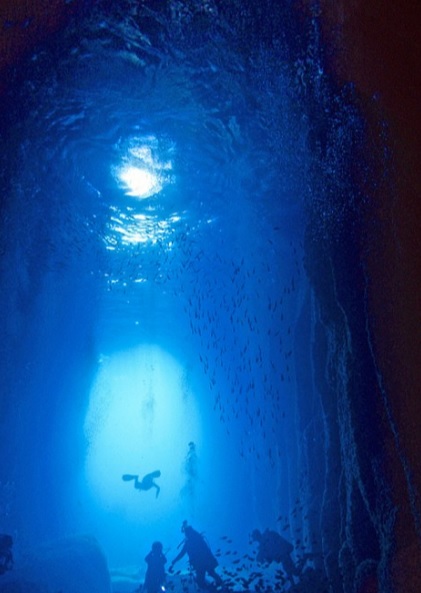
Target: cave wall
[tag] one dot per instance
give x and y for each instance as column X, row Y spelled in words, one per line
column 359, row 419
column 366, row 282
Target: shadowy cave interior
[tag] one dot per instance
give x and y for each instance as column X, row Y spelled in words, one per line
column 209, row 263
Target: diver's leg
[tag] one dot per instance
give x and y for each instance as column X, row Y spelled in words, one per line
column 289, row 565
column 212, row 572
column 137, row 484
column 200, row 577
column 289, row 568
column 158, row 489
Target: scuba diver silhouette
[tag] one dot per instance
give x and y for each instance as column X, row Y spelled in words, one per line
column 200, row 556
column 155, row 573
column 274, row 548
column 146, row 483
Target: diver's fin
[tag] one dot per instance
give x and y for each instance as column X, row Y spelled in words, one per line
column 128, row 477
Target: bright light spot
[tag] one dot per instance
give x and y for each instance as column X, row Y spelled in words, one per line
column 141, row 417
column 140, row 183
column 145, row 166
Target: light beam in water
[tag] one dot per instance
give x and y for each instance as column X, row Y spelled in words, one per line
column 141, row 417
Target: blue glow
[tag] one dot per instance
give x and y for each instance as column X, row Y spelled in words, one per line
column 182, row 206
column 139, row 419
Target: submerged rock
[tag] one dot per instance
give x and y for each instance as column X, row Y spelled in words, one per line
column 74, row 565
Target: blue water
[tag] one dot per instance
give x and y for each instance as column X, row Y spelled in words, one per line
column 137, row 325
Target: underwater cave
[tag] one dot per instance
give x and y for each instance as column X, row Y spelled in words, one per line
column 209, row 266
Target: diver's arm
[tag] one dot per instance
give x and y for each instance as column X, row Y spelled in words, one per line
column 179, row 556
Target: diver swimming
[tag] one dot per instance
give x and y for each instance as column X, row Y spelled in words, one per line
column 146, row 483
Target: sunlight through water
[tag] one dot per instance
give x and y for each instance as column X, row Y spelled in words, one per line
column 140, row 418
column 143, row 172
